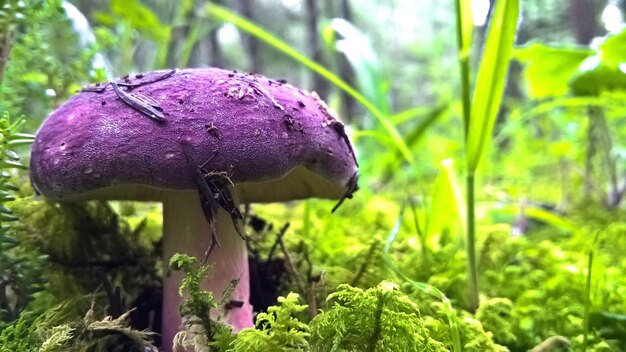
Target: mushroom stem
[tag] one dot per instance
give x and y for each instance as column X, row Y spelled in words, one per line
column 186, row 230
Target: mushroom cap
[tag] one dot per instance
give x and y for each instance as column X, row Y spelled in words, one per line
column 273, row 141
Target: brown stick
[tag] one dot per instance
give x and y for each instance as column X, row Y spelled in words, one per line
column 365, row 264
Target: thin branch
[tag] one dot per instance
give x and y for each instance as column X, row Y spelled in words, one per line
column 365, row 264
column 289, row 261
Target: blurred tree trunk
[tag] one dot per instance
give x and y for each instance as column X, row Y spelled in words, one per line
column 251, row 43
column 345, row 70
column 583, row 18
column 319, row 85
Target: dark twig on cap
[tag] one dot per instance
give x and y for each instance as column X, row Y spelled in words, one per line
column 214, row 193
column 140, row 102
column 353, row 186
column 148, row 81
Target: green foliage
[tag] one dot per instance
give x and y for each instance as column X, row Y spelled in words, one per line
column 47, row 63
column 532, row 286
column 72, row 326
column 490, row 80
column 88, row 248
column 594, row 76
column 552, row 71
column 378, row 319
column 15, row 12
column 17, row 336
column 495, row 316
column 131, row 21
column 548, row 69
column 20, row 271
column 277, row 330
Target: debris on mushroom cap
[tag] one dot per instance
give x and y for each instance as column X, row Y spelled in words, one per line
column 274, row 141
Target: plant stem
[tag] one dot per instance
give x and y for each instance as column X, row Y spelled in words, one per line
column 587, row 301
column 470, row 245
column 377, row 316
column 465, row 92
column 588, row 294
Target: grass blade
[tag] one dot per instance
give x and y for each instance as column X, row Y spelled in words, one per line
column 490, row 81
column 446, row 209
column 263, row 35
column 464, row 28
column 413, row 137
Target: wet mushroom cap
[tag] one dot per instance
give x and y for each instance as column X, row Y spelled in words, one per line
column 273, row 141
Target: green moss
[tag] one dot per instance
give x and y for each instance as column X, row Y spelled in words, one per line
column 277, row 330
column 377, row 319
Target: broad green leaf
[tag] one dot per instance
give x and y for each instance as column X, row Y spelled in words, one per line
column 490, row 81
column 142, row 18
column 133, row 15
column 552, row 219
column 594, row 77
column 613, row 49
column 263, row 35
column 548, row 69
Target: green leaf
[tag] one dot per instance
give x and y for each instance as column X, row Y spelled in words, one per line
column 263, row 35
column 547, row 69
column 612, row 49
column 552, row 219
column 490, row 81
column 142, row 18
column 446, row 209
column 594, row 77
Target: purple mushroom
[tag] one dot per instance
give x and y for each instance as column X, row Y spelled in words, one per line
column 201, row 141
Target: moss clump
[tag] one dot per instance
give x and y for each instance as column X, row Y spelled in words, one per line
column 377, row 319
column 75, row 325
column 276, row 330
